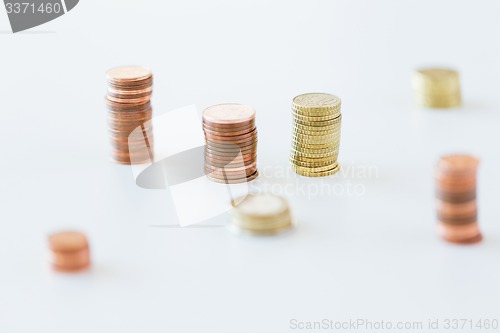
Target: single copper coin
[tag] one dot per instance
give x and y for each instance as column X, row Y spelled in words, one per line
column 127, row 74
column 464, row 234
column 458, row 163
column 234, row 181
column 230, row 114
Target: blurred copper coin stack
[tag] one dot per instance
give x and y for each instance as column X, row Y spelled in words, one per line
column 456, row 198
column 231, row 143
column 316, row 121
column 436, row 87
column 129, row 113
column 69, row 251
column 260, row 213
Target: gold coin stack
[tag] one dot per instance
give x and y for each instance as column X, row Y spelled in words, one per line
column 129, row 113
column 231, row 143
column 436, row 87
column 456, row 198
column 316, row 134
column 260, row 214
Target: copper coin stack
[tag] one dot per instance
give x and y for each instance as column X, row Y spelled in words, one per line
column 231, row 143
column 456, row 198
column 129, row 113
column 69, row 250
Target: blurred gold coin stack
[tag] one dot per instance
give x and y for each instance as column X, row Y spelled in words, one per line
column 456, row 198
column 129, row 113
column 315, row 134
column 436, row 87
column 260, row 214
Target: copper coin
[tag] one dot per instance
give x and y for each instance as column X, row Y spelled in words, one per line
column 67, row 241
column 125, row 106
column 456, row 197
column 229, row 113
column 128, row 74
column 130, row 101
column 229, row 155
column 232, row 138
column 228, row 132
column 231, row 165
column 458, row 164
column 468, row 233
column 238, row 141
column 229, row 159
column 453, row 209
column 70, row 261
column 228, row 128
column 230, row 174
column 231, row 146
column 234, row 181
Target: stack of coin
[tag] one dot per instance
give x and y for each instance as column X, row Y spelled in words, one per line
column 436, row 87
column 260, row 214
column 316, row 134
column 129, row 113
column 456, row 198
column 231, row 143
column 69, row 250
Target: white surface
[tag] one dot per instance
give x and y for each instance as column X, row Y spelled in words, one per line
column 373, row 256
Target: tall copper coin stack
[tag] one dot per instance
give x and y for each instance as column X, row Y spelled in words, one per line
column 69, row 251
column 436, row 87
column 129, row 113
column 231, row 143
column 456, row 198
column 315, row 134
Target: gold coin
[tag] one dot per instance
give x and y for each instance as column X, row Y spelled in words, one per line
column 305, row 172
column 315, row 119
column 316, row 104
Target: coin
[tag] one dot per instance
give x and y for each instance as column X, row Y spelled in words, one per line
column 69, row 251
column 230, row 143
column 316, row 103
column 225, row 180
column 315, row 135
column 436, row 87
column 128, row 102
column 462, row 234
column 230, row 113
column 455, row 177
column 259, row 214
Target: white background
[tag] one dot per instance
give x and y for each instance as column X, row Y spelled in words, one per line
column 374, row 256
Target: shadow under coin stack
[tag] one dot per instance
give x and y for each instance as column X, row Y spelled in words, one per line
column 129, row 114
column 231, row 143
column 69, row 250
column 436, row 87
column 315, row 134
column 260, row 214
column 456, row 198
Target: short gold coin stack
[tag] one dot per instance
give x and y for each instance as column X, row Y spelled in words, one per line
column 260, row 213
column 315, row 134
column 436, row 87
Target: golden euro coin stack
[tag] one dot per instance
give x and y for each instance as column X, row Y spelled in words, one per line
column 69, row 251
column 230, row 143
column 260, row 214
column 129, row 113
column 436, row 87
column 315, row 134
column 456, row 198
